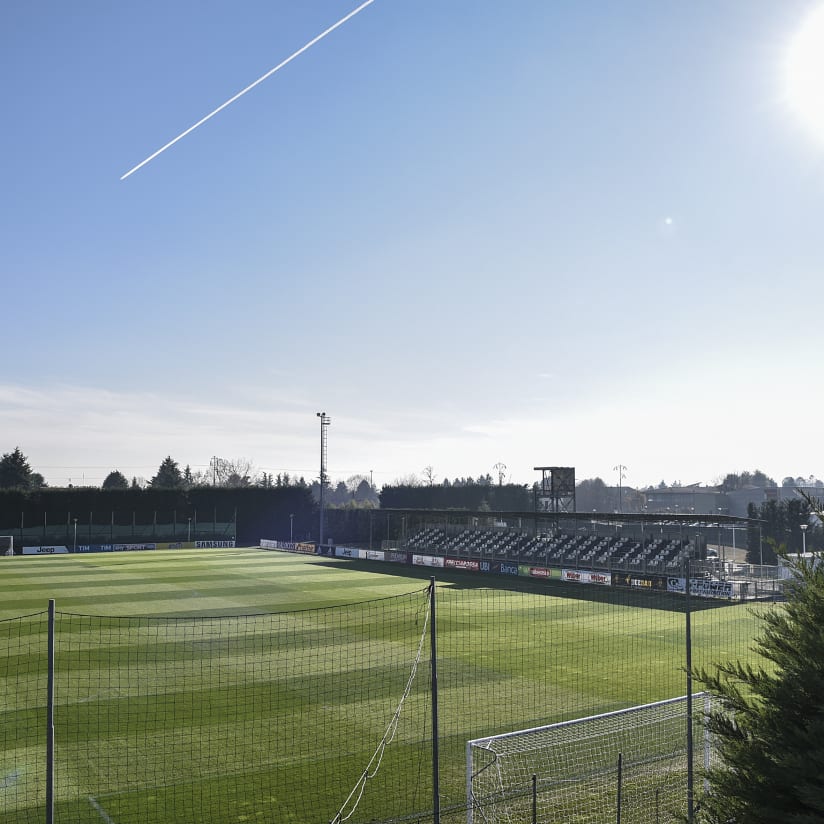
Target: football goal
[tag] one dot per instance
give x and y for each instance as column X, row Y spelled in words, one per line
column 627, row 766
column 6, row 545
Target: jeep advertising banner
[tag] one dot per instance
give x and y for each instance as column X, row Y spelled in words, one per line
column 45, row 550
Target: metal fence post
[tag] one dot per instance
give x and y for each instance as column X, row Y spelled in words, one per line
column 50, row 721
column 690, row 770
column 436, row 789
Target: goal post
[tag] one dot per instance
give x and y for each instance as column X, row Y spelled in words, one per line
column 628, row 765
column 6, row 545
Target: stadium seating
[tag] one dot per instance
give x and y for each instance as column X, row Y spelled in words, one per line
column 558, row 549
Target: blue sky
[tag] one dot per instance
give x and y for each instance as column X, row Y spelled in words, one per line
column 566, row 233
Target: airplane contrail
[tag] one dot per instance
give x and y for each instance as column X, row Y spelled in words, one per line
column 251, row 86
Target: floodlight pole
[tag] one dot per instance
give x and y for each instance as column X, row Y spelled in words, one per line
column 620, row 469
column 325, row 421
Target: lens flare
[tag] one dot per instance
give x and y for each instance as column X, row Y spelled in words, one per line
column 805, row 73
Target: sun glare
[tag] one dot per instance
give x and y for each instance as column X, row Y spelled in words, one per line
column 805, row 72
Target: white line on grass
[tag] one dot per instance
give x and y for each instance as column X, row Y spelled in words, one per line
column 100, row 811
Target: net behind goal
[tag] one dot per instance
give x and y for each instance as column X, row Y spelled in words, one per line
column 629, row 765
column 6, row 545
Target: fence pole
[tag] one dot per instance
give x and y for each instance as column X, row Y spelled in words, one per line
column 436, row 789
column 620, row 787
column 50, row 721
column 690, row 771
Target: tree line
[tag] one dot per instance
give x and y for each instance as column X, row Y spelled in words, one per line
column 258, row 512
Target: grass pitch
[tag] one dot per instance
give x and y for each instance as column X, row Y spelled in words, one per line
column 221, row 711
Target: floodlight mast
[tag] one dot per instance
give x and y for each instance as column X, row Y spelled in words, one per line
column 325, row 421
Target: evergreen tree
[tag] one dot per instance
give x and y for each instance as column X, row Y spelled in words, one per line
column 769, row 724
column 168, row 475
column 15, row 471
column 779, row 524
column 115, row 480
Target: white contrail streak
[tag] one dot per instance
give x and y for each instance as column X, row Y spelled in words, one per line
column 250, row 86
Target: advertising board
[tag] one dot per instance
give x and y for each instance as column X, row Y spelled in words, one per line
column 462, row 563
column 499, row 567
column 701, row 587
column 304, row 548
column 534, row 572
column 587, row 576
column 427, row 560
column 45, row 550
column 635, row 580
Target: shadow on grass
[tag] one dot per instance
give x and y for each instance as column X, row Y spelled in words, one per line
column 670, row 602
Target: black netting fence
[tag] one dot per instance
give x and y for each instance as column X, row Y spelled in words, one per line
column 323, row 715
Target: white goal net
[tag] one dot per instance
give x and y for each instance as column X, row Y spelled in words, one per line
column 6, row 545
column 628, row 766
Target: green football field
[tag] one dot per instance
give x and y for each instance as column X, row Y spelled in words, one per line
column 185, row 582
column 241, row 685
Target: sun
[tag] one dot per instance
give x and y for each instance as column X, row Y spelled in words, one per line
column 805, row 72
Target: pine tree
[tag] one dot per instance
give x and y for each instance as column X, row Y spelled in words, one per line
column 168, row 475
column 15, row 470
column 115, row 480
column 769, row 720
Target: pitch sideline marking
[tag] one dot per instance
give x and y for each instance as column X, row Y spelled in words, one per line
column 100, row 811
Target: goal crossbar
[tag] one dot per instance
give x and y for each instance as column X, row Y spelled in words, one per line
column 577, row 759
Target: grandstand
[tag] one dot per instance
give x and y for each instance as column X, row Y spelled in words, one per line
column 618, row 549
column 557, row 548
